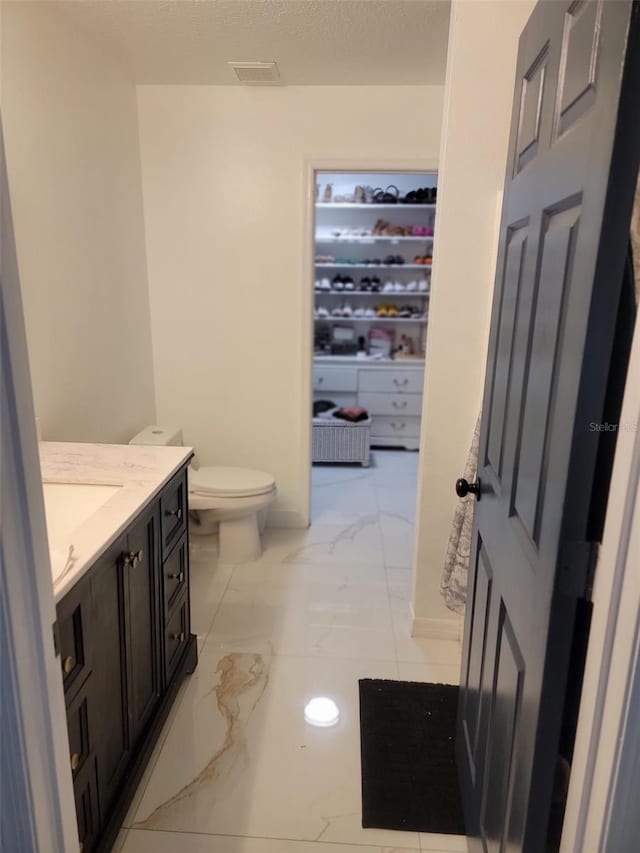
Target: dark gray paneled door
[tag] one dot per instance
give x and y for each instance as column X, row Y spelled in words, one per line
column 564, row 235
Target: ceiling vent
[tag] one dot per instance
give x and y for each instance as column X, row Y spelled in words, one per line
column 256, row 73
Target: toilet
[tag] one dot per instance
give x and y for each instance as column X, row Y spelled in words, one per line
column 233, row 499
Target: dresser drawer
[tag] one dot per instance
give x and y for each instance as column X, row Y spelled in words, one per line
column 391, row 381
column 397, row 426
column 391, row 404
column 174, row 575
column 335, row 378
column 173, row 510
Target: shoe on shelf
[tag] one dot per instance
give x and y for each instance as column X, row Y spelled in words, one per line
column 368, row 195
column 423, row 285
column 322, row 312
column 325, row 284
column 381, row 310
column 358, row 195
column 369, row 312
column 405, row 312
column 388, row 287
column 337, row 311
column 348, row 283
column 327, row 196
column 347, row 310
column 337, row 283
column 412, row 286
column 399, row 287
column 376, row 284
column 359, row 312
column 365, row 284
column 392, row 311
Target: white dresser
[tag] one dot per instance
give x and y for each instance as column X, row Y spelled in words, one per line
column 391, row 391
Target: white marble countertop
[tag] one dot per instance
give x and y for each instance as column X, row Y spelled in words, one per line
column 139, row 471
column 369, row 362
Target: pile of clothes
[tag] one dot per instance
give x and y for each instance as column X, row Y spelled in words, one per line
column 327, row 410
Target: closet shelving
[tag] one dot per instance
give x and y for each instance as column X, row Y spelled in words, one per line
column 331, row 246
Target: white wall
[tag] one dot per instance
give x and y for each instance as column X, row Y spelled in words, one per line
column 224, row 193
column 70, row 123
column 483, row 43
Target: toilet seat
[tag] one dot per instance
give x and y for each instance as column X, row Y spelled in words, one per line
column 230, row 482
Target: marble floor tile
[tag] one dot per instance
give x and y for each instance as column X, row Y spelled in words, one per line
column 339, row 475
column 241, row 760
column 432, row 842
column 343, row 503
column 433, row 673
column 415, row 649
column 358, row 542
column 398, row 540
column 209, row 579
column 145, row 841
column 300, row 609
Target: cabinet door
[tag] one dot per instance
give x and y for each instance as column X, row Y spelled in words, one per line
column 108, row 725
column 142, row 606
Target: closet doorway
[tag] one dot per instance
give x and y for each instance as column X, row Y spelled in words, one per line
column 373, row 236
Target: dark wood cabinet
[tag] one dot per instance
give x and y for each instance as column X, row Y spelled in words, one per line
column 125, row 643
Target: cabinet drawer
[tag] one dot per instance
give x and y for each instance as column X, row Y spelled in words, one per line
column 73, row 632
column 173, row 508
column 175, row 637
column 85, row 792
column 335, row 378
column 395, row 427
column 78, row 729
column 391, row 404
column 392, row 381
column 174, row 572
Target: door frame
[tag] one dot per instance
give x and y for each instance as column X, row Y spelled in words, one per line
column 33, row 708
column 613, row 652
column 311, row 166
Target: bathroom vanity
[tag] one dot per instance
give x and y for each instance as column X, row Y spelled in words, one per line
column 121, row 583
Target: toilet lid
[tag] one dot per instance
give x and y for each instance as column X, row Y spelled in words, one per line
column 236, row 482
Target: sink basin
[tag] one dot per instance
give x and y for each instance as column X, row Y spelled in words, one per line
column 68, row 505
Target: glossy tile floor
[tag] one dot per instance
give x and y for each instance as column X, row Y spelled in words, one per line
column 237, row 769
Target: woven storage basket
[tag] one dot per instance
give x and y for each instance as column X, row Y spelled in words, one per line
column 341, row 441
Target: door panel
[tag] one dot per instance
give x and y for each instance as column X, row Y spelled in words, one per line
column 142, row 590
column 552, row 331
column 110, row 740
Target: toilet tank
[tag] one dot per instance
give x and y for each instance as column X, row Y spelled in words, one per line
column 159, row 436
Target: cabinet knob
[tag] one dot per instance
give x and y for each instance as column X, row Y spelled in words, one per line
column 179, row 636
column 68, row 664
column 175, row 513
column 176, row 576
column 75, row 760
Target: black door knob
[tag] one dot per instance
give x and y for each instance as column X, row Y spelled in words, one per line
column 464, row 487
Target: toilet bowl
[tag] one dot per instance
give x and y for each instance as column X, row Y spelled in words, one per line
column 235, row 500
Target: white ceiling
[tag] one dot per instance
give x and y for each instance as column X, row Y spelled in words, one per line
column 314, row 42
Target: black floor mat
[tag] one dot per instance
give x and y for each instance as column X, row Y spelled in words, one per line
column 409, row 776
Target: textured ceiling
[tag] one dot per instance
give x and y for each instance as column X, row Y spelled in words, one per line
column 314, row 42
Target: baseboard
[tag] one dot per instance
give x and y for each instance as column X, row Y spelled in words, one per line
column 287, row 519
column 436, row 629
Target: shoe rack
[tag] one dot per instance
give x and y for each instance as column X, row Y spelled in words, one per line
column 373, row 258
